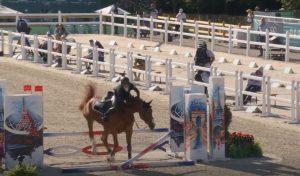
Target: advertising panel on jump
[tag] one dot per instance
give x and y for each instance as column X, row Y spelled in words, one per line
column 216, row 112
column 195, row 131
column 177, row 115
column 2, row 95
column 23, row 124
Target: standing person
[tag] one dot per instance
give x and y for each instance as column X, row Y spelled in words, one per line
column 22, row 26
column 180, row 16
column 153, row 11
column 114, row 10
column 250, row 16
column 262, row 37
column 100, row 53
column 253, row 85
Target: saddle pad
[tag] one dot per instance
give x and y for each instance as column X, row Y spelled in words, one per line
column 102, row 106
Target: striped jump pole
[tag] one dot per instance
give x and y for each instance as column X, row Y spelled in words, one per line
column 133, row 166
column 85, row 133
column 127, row 163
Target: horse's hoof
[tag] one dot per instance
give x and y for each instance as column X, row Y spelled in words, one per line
column 110, row 159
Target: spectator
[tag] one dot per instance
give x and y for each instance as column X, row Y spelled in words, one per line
column 22, row 26
column 250, row 16
column 153, row 11
column 60, row 32
column 180, row 16
column 100, row 53
column 253, row 85
column 114, row 10
column 89, row 56
column 262, row 38
column 257, row 8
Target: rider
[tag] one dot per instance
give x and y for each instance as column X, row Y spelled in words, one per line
column 122, row 94
column 203, row 58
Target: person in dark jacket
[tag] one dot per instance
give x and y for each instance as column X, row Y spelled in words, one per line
column 122, row 94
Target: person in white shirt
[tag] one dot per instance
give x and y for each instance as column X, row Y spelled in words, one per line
column 180, row 16
column 250, row 16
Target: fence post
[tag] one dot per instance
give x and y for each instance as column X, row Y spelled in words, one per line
column 241, row 105
column 166, row 31
column 188, row 73
column 17, row 18
column 59, row 17
column 95, row 62
column 287, row 47
column 297, row 120
column 267, row 47
column 148, row 71
column 248, row 42
column 268, row 96
column 129, row 66
column 78, row 58
column 293, row 108
column 213, row 37
column 22, row 46
column 181, row 32
column 112, row 24
column 35, row 49
column 10, row 42
column 49, row 51
column 112, row 63
column 196, row 34
column 64, row 54
column 125, row 25
column 100, row 23
column 138, row 25
column 192, row 73
column 236, row 90
column 2, row 41
column 215, row 70
column 151, row 28
column 229, row 39
column 263, row 96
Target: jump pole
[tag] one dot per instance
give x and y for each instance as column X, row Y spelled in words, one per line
column 133, row 166
column 85, row 133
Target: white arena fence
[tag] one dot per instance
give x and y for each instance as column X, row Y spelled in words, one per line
column 292, row 102
column 166, row 26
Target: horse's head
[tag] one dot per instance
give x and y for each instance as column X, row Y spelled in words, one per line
column 145, row 113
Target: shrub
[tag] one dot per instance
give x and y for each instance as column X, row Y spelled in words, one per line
column 23, row 170
column 243, row 145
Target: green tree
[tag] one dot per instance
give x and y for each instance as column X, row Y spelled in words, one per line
column 290, row 4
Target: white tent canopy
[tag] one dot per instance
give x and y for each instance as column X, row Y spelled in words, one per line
column 6, row 10
column 108, row 9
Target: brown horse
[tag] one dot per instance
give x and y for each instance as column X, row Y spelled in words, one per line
column 119, row 121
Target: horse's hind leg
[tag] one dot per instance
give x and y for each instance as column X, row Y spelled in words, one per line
column 128, row 140
column 91, row 135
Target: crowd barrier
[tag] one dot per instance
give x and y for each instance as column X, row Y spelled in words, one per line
column 167, row 75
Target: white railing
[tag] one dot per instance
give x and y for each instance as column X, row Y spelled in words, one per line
column 187, row 29
column 265, row 96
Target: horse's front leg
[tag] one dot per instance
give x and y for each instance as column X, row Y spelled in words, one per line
column 116, row 145
column 105, row 143
column 128, row 140
column 91, row 135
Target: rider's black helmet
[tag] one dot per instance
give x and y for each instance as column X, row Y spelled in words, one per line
column 202, row 44
column 124, row 80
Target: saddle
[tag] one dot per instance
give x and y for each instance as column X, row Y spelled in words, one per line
column 102, row 106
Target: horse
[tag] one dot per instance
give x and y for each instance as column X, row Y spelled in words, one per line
column 119, row 121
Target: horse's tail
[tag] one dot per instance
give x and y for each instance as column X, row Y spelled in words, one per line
column 90, row 93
